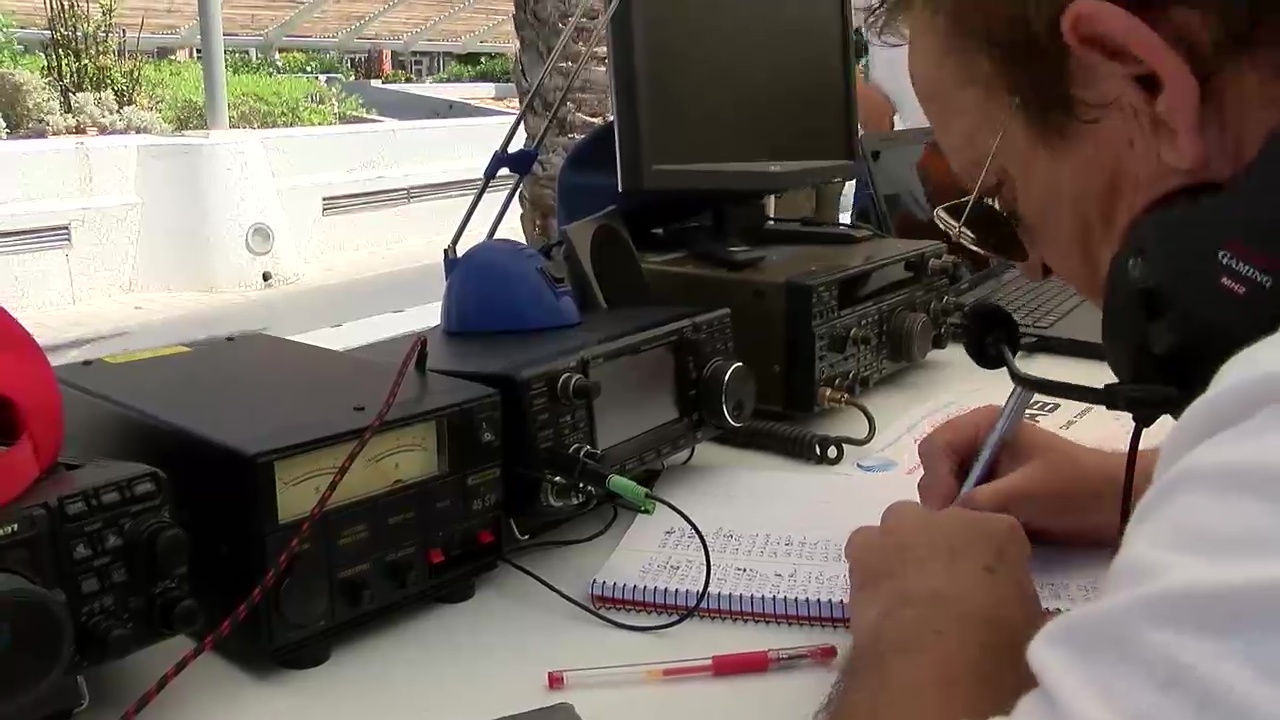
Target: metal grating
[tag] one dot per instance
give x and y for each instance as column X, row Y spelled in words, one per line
column 399, row 197
column 29, row 240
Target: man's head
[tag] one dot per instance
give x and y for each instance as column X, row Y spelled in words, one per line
column 1106, row 107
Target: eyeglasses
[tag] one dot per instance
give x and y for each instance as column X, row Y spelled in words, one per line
column 979, row 224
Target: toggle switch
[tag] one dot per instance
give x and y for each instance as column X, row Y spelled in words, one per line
column 435, row 556
column 485, row 537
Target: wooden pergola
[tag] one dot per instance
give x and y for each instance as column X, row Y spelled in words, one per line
column 403, row 25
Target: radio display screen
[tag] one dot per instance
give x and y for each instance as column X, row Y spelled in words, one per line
column 637, row 394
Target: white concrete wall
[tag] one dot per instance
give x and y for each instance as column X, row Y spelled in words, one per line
column 170, row 214
column 460, row 91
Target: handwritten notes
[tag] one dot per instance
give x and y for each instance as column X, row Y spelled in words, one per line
column 1067, row 578
column 755, row 563
column 777, row 547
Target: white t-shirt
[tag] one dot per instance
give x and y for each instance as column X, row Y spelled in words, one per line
column 887, row 70
column 1188, row 626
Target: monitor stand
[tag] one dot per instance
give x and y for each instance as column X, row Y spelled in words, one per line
column 722, row 240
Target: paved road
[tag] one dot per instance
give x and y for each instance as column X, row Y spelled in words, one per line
column 289, row 312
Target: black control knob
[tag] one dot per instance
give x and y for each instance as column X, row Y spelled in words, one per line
column 728, row 391
column 357, row 592
column 107, row 639
column 945, row 309
column 165, row 547
column 910, row 337
column 178, row 614
column 404, row 574
column 942, row 338
column 576, row 389
column 303, row 597
column 36, row 638
column 838, row 343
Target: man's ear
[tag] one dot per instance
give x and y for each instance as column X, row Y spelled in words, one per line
column 1117, row 52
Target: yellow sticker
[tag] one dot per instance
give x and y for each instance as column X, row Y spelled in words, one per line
column 146, row 354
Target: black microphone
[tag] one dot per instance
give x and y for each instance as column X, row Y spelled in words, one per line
column 992, row 340
column 990, row 332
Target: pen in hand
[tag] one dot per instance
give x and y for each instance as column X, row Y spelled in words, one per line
column 1010, row 415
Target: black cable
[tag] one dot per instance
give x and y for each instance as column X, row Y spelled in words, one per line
column 689, row 458
column 1130, row 471
column 684, row 616
column 795, row 441
column 546, row 544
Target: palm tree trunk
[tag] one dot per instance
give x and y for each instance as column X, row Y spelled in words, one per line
column 539, row 25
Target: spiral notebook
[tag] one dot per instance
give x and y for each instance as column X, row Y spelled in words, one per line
column 777, row 548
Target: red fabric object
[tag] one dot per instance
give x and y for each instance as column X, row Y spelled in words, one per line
column 30, row 410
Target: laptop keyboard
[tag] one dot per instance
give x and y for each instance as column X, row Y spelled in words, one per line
column 1037, row 305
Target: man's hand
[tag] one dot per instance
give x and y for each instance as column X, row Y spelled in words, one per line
column 942, row 609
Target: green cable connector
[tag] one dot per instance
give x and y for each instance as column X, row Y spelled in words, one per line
column 632, row 492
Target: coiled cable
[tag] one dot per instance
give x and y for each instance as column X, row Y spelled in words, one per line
column 788, row 439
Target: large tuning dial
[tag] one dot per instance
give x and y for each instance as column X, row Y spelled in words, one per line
column 910, row 337
column 106, row 638
column 35, row 639
column 302, row 598
column 576, row 389
column 177, row 613
column 728, row 391
column 165, row 547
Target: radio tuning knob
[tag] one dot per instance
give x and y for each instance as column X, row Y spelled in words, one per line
column 910, row 337
column 165, row 546
column 303, row 596
column 109, row 639
column 38, row 638
column 576, row 389
column 177, row 613
column 728, row 392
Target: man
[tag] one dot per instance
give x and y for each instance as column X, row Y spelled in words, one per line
column 875, row 109
column 1104, row 108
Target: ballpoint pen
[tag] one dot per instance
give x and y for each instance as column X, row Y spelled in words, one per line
column 1010, row 415
column 741, row 663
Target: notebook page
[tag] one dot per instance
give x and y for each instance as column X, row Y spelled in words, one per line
column 895, row 447
column 782, row 535
column 772, row 534
column 1067, row 577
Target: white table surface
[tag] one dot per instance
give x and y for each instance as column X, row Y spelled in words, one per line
column 489, row 657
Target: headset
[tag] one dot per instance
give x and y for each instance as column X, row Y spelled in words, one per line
column 1192, row 285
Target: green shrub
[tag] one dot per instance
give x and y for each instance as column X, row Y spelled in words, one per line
column 288, row 63
column 12, row 55
column 84, row 52
column 482, row 68
column 397, row 77
column 175, row 90
column 26, row 100
column 29, row 108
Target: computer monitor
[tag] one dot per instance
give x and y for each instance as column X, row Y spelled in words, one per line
column 752, row 96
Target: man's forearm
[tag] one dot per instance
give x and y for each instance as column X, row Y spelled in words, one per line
column 956, row 672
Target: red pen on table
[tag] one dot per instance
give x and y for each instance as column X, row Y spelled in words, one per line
column 741, row 663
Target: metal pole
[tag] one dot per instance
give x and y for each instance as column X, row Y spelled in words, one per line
column 213, row 64
column 551, row 60
column 596, row 36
